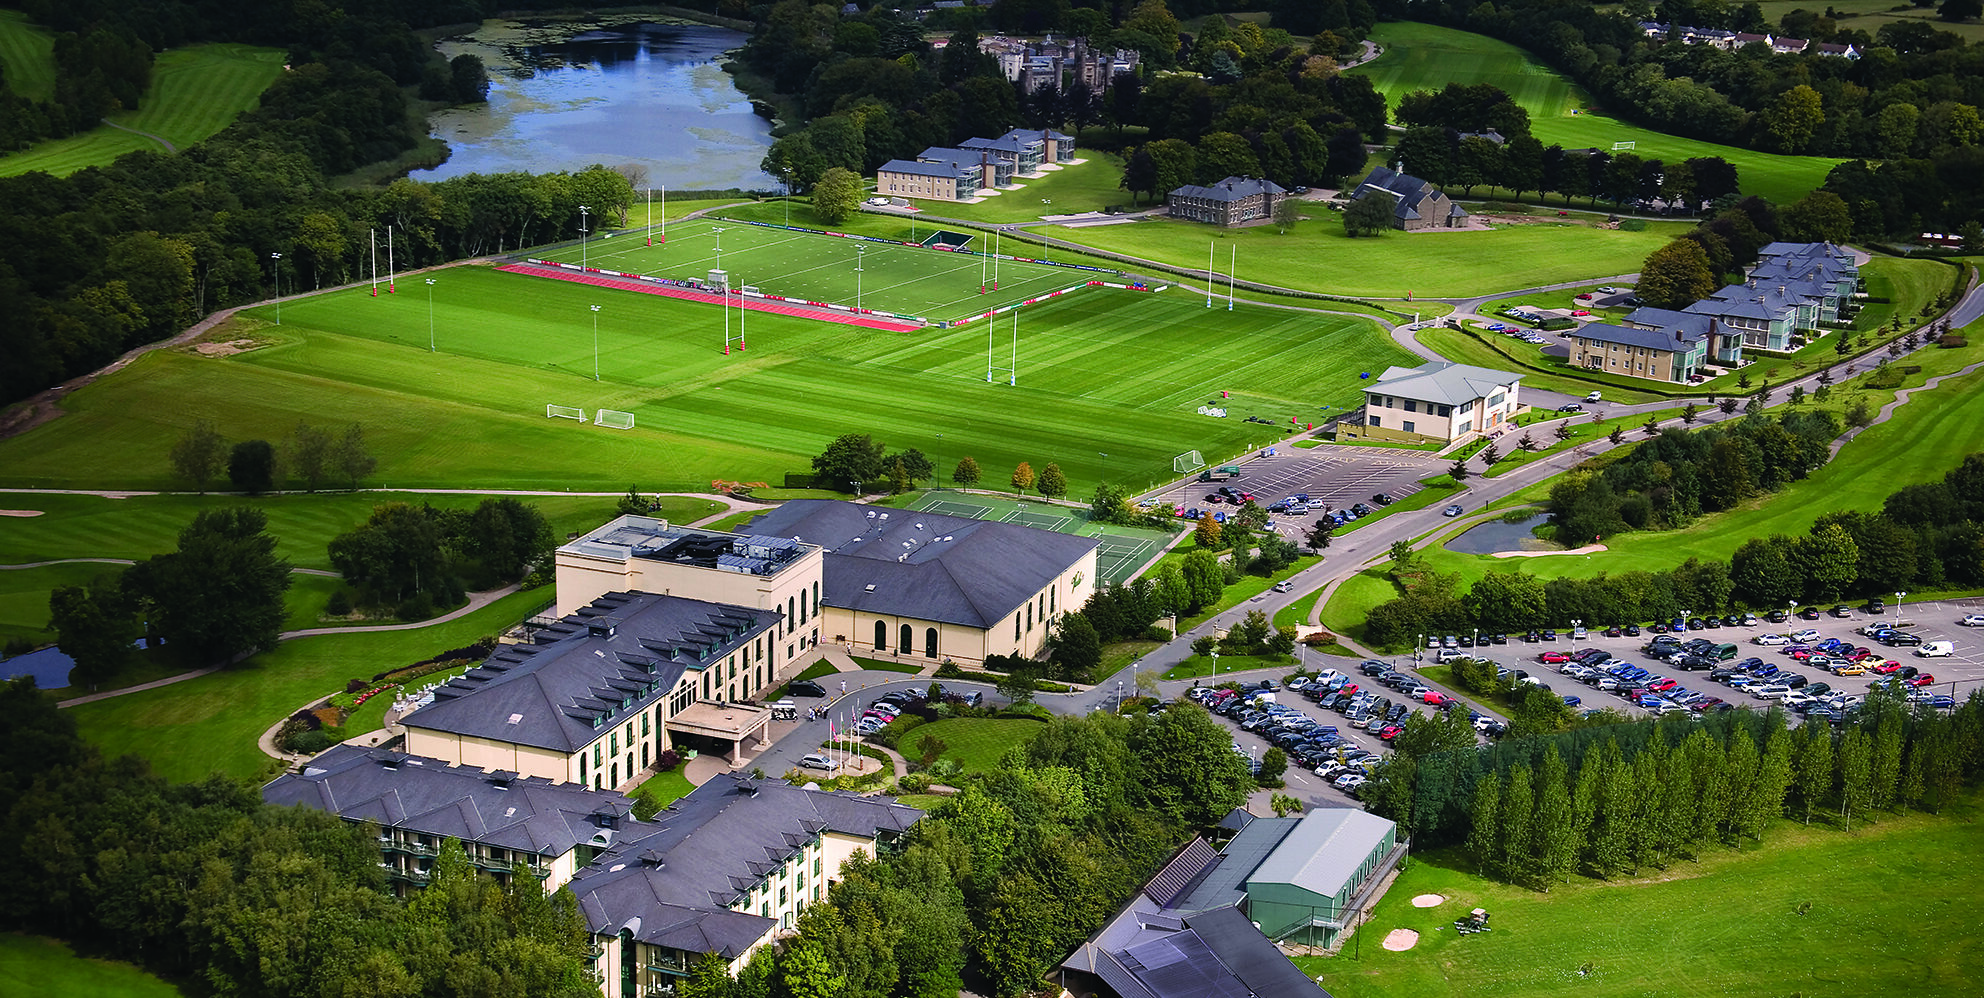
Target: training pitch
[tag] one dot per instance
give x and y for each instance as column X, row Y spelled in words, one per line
column 1108, row 384
column 935, row 284
column 1121, row 551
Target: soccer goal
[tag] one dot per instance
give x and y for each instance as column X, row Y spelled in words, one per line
column 564, row 412
column 613, row 419
column 1188, row 461
column 1624, row 146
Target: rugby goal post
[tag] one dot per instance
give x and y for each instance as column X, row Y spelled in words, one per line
column 613, row 419
column 1624, row 146
column 564, row 412
column 1188, row 461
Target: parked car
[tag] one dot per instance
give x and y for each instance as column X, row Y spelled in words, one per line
column 804, row 688
column 1453, row 510
column 817, row 761
column 1972, row 620
column 1570, row 407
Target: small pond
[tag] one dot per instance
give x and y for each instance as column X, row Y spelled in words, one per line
column 1500, row 535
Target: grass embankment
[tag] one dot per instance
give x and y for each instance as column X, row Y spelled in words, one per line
column 1426, row 57
column 210, row 724
column 1927, row 436
column 1082, row 187
column 977, row 743
column 889, row 665
column 1871, row 16
column 1202, row 665
column 27, row 50
column 511, row 343
column 1246, row 589
column 1791, row 916
column 1317, row 256
column 33, row 966
column 195, row 92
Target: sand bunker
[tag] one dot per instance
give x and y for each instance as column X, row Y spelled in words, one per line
column 1401, row 939
column 20, row 512
column 1428, row 900
column 1587, row 549
column 216, row 348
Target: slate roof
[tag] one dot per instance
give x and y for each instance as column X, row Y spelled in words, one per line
column 606, row 661
column 396, row 790
column 1005, row 143
column 1632, row 336
column 672, row 880
column 1224, row 884
column 1410, row 192
column 1230, row 189
column 1443, row 382
column 925, row 565
column 1146, row 952
column 915, row 168
column 1324, row 850
column 1688, row 325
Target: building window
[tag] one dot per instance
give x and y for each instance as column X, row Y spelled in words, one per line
column 1375, row 422
column 906, row 640
column 616, row 774
column 1410, row 426
column 644, row 755
column 881, row 636
column 1411, row 406
column 645, row 730
column 790, row 612
column 1016, row 627
column 1029, row 616
column 929, row 642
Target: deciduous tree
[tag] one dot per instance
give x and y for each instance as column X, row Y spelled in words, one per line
column 1052, row 483
column 1023, row 478
column 199, row 455
column 220, row 593
column 837, row 195
column 851, row 458
column 966, row 473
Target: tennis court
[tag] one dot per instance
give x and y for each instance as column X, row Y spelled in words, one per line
column 1120, row 551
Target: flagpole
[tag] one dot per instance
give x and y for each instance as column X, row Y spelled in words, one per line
column 374, row 232
column 391, row 271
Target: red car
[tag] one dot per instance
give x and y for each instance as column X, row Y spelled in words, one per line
column 1390, row 732
column 1801, row 654
column 1662, row 685
column 1348, row 689
column 1554, row 657
column 1888, row 667
column 1920, row 679
column 1436, row 698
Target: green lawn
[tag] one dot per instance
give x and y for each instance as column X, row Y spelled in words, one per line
column 1812, row 912
column 465, row 417
column 1089, row 186
column 669, row 787
column 27, row 50
column 210, row 724
column 884, row 665
column 1317, row 256
column 977, row 743
column 1202, row 665
column 1539, row 370
column 33, row 967
column 1426, row 57
column 1240, row 592
column 195, row 92
column 1296, row 614
column 1870, row 15
column 24, row 597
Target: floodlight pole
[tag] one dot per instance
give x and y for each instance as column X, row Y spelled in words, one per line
column 1233, row 256
column 859, row 252
column 430, row 315
column 595, row 343
column 1209, row 275
column 718, row 232
column 1013, row 376
column 583, row 211
column 275, row 269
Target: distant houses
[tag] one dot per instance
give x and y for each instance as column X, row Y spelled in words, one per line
column 1233, row 201
column 1418, row 204
column 1732, row 40
column 976, row 167
column 1036, row 66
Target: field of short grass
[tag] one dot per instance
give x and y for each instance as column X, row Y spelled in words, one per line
column 210, row 724
column 472, row 415
column 195, row 92
column 24, row 597
column 1428, row 57
column 668, row 787
column 1317, row 256
column 32, row 966
column 1811, row 911
column 1870, row 15
column 27, row 50
column 1090, row 186
column 1202, row 665
column 977, row 743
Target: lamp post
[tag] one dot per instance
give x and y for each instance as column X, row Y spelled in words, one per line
column 583, row 211
column 595, row 342
column 1577, row 624
column 718, row 233
column 275, row 270
column 1418, row 647
column 430, row 315
column 1897, row 604
column 1215, row 663
column 1119, row 696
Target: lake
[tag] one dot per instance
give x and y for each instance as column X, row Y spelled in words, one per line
column 564, row 95
column 1501, row 535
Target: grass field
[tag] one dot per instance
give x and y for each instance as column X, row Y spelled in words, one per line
column 33, row 966
column 977, row 743
column 1426, row 57
column 1928, row 436
column 906, row 280
column 1088, row 186
column 668, row 787
column 24, row 597
column 27, row 50
column 210, row 724
column 1870, row 15
column 473, row 414
column 1887, row 909
column 195, row 92
column 1317, row 256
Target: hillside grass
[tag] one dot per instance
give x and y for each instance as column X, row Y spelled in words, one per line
column 27, row 51
column 1317, row 256
column 977, row 743
column 35, row 966
column 210, row 724
column 195, row 92
column 1810, row 911
column 1081, row 187
column 1871, row 15
column 1427, row 57
column 1107, row 372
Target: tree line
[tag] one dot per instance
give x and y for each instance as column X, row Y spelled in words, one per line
column 113, row 257
column 1000, row 882
column 1622, row 799
column 204, row 882
column 414, row 560
column 309, row 458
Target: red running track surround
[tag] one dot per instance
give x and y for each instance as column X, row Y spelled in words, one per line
column 778, row 308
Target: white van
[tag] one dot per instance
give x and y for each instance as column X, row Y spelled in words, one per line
column 1936, row 649
column 1773, row 692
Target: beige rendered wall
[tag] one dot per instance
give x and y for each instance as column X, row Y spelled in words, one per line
column 582, row 579
column 1070, row 589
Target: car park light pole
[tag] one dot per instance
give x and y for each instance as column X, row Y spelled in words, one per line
column 1416, row 648
column 430, row 315
column 1576, row 625
column 1897, row 604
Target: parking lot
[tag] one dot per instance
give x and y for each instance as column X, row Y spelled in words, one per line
column 1340, row 476
column 1955, row 675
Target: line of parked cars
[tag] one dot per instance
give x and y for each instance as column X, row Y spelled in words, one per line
column 1307, row 742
